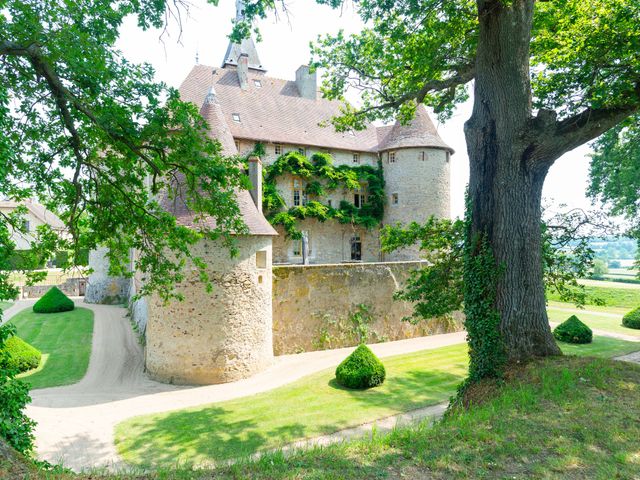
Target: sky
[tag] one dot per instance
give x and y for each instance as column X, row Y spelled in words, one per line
column 285, row 46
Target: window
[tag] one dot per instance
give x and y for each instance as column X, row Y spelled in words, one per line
column 297, row 245
column 261, row 259
column 329, row 203
column 237, row 145
column 299, row 192
column 448, row 156
column 301, row 150
column 356, row 158
column 360, row 196
column 257, row 83
column 236, row 117
column 394, row 198
column 356, row 247
column 27, row 225
column 278, row 149
column 423, row 156
column 391, row 157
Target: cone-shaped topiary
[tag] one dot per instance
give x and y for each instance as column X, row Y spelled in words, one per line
column 632, row 319
column 572, row 330
column 361, row 369
column 53, row 301
column 22, row 356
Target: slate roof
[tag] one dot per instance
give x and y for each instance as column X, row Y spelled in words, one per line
column 419, row 133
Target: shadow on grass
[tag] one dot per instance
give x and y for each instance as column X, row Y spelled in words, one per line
column 218, row 433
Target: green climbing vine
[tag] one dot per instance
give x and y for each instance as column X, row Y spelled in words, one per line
column 323, row 177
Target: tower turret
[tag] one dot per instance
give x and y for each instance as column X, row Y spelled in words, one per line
column 417, row 175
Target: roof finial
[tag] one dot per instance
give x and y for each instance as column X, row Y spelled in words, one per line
column 211, row 96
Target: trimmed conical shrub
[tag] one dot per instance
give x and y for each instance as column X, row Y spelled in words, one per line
column 361, row 369
column 53, row 301
column 632, row 319
column 22, row 356
column 572, row 330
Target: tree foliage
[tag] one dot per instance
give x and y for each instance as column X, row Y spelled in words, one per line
column 97, row 140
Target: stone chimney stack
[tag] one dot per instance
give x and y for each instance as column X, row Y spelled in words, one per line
column 243, row 70
column 307, row 82
column 255, row 175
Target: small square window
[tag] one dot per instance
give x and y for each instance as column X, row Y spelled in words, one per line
column 236, row 117
column 394, row 198
column 278, row 149
column 356, row 158
column 257, row 83
column 392, row 157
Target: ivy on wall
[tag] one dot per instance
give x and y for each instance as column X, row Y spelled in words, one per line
column 322, row 178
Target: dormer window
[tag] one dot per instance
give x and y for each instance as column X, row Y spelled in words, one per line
column 257, row 83
column 236, row 117
column 392, row 157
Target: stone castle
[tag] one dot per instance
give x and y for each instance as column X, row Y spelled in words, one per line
column 227, row 335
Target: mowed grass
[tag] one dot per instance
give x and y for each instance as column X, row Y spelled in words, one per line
column 5, row 305
column 309, row 407
column 607, row 321
column 609, row 292
column 64, row 340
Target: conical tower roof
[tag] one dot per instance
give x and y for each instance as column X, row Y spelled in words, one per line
column 211, row 111
column 419, row 133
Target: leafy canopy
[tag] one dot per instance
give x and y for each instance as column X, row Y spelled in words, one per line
column 97, row 140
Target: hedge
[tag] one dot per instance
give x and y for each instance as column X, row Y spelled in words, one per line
column 22, row 356
column 53, row 301
column 632, row 319
column 361, row 369
column 573, row 330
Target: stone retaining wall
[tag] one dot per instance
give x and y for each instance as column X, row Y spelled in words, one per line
column 317, row 307
column 72, row 287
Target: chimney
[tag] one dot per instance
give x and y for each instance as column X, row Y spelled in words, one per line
column 243, row 70
column 306, row 82
column 255, row 175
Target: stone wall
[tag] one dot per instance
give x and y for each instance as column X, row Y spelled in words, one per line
column 218, row 336
column 316, row 307
column 72, row 287
column 101, row 287
column 422, row 188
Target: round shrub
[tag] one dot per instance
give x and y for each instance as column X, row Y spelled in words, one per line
column 22, row 356
column 573, row 330
column 361, row 369
column 632, row 319
column 53, row 301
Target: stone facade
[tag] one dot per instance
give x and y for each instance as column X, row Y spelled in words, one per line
column 417, row 184
column 314, row 306
column 221, row 336
column 102, row 287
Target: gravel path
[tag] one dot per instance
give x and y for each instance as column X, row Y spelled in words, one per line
column 75, row 423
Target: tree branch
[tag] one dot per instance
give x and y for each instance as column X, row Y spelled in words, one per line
column 463, row 74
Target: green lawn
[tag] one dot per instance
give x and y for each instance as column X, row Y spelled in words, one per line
column 614, row 296
column 64, row 340
column 602, row 322
column 5, row 305
column 309, row 407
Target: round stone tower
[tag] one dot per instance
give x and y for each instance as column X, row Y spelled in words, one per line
column 416, row 166
column 226, row 334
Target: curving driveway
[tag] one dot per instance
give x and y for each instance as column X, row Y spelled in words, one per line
column 76, row 422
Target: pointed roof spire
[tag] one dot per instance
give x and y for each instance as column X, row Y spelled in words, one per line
column 234, row 50
column 211, row 111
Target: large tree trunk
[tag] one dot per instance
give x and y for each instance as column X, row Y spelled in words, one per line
column 505, row 185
